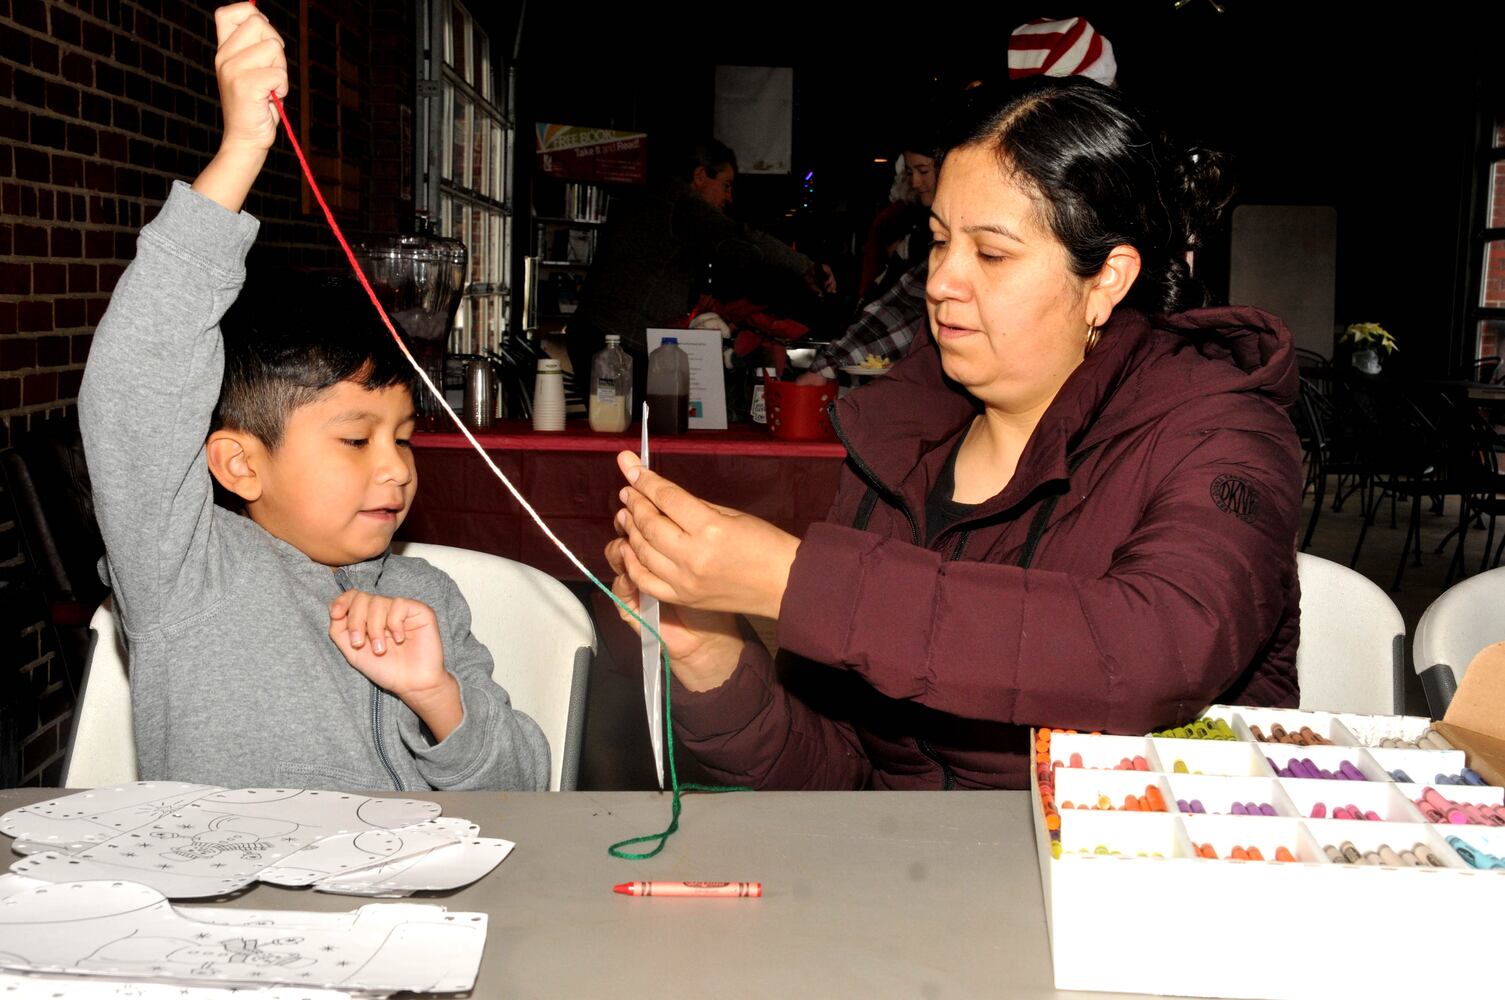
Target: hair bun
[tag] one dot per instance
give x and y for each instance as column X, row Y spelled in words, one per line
column 1204, row 187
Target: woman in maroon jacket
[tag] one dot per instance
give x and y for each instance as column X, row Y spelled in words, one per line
column 1073, row 505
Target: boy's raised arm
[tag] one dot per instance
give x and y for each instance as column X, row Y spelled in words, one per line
column 157, row 360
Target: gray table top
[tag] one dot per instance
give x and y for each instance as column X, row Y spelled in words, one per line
column 869, row 894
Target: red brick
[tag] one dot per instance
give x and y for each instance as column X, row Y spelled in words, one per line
column 49, row 279
column 34, row 316
column 7, row 318
column 15, row 124
column 66, row 27
column 152, row 61
column 44, row 55
column 81, row 344
column 29, row 241
column 125, row 245
column 109, row 274
column 67, row 171
column 96, row 310
column 42, row 204
column 99, row 176
column 67, row 242
column 124, row 114
column 99, row 244
column 63, row 98
column 17, row 353
column 69, row 313
column 109, row 79
column 5, row 239
column 112, row 146
column 10, row 393
column 39, row 388
column 127, row 49
column 29, row 89
column 96, row 109
column 152, row 124
column 82, row 139
column 52, row 352
column 81, row 278
column 16, row 46
column 28, row 197
column 48, row 131
column 68, row 383
column 32, row 165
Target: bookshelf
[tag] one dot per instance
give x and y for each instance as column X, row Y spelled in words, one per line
column 568, row 217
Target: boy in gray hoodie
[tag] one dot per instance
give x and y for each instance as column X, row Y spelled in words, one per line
column 284, row 646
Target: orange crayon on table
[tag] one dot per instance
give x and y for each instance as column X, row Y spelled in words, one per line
column 705, row 890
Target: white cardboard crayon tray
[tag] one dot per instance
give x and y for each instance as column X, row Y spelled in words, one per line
column 1097, row 904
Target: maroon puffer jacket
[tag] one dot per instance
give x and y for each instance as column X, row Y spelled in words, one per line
column 1156, row 508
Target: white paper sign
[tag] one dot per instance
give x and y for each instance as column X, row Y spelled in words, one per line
column 707, row 375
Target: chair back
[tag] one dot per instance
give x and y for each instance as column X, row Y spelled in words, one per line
column 540, row 637
column 1352, row 652
column 102, row 750
column 1454, row 628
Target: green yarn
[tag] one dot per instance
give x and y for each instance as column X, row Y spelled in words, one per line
column 662, row 838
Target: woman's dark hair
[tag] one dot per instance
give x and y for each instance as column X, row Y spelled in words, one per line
column 1103, row 178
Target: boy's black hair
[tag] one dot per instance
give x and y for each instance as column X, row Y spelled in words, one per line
column 290, row 340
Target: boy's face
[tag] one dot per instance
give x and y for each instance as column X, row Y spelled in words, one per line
column 342, row 479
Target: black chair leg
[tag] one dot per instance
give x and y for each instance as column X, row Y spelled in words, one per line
column 1317, row 497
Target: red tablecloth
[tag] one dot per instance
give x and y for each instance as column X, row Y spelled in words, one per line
column 571, row 479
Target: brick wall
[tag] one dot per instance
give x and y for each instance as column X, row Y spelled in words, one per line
column 102, row 104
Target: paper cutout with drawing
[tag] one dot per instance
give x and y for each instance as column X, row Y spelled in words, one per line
column 125, row 929
column 195, row 841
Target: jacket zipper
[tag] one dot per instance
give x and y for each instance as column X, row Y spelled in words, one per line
column 343, row 579
column 871, row 477
column 948, row 779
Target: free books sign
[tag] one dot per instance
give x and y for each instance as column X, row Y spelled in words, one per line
column 594, row 155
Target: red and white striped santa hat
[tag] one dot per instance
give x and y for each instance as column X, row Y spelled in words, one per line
column 1061, row 48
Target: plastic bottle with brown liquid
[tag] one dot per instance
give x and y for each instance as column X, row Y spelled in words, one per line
column 668, row 388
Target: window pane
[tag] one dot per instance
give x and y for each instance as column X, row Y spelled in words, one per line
column 460, row 144
column 1490, row 339
column 498, row 182
column 479, row 63
column 1499, row 134
column 1492, row 288
column 459, row 55
column 477, row 243
column 447, row 167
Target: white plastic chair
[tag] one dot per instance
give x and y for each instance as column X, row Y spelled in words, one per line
column 103, row 747
column 1353, row 642
column 539, row 634
column 1466, row 617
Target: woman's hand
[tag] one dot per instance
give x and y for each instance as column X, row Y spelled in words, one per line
column 703, row 646
column 700, row 555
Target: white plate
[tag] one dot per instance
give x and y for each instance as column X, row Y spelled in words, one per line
column 862, row 371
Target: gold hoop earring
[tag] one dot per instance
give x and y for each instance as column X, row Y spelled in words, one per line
column 1094, row 334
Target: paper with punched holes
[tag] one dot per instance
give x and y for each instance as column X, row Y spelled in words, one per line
column 126, row 930
column 25, row 987
column 191, row 841
column 653, row 668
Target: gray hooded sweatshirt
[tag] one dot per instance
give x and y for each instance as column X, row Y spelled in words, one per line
column 234, row 679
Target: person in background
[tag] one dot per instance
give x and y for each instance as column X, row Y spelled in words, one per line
column 654, row 254
column 1073, row 504
column 895, row 315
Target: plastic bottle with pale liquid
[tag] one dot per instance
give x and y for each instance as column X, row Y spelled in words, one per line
column 610, row 402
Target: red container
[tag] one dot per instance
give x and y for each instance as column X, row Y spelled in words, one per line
column 798, row 412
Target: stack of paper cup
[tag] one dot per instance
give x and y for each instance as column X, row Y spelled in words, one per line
column 548, row 396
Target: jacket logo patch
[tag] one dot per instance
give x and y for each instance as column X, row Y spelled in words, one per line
column 1237, row 496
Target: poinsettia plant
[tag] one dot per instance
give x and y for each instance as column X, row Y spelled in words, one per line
column 1370, row 336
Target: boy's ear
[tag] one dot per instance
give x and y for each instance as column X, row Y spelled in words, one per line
column 233, row 459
